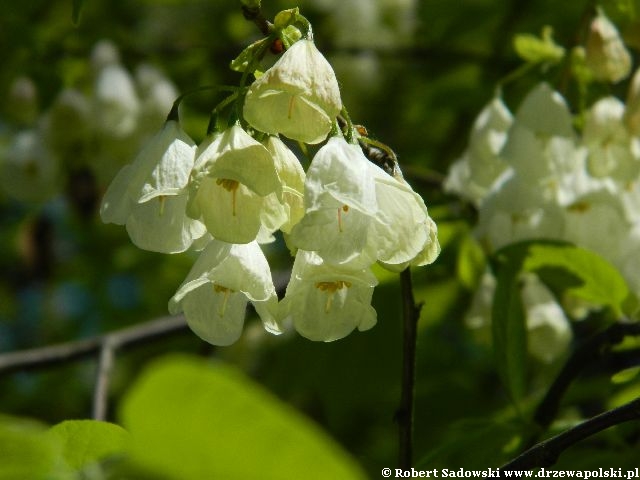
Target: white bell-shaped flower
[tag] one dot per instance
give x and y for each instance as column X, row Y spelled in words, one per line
column 613, row 152
column 232, row 176
column 340, row 201
column 606, row 55
column 548, row 329
column 325, row 302
column 472, row 175
column 216, row 291
column 298, row 96
column 116, row 103
column 149, row 196
column 402, row 233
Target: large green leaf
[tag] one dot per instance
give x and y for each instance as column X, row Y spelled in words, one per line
column 85, row 442
column 193, row 420
column 25, row 452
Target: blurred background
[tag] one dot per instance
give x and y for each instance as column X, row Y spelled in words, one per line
column 81, row 99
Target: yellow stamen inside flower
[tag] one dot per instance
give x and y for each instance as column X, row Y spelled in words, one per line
column 345, row 209
column 230, row 186
column 226, row 291
column 161, row 199
column 290, row 106
column 331, row 288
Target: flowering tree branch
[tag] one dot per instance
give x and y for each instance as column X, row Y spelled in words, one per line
column 545, row 453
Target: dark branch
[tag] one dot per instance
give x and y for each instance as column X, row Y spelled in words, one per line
column 583, row 355
column 64, row 352
column 404, row 415
column 546, row 453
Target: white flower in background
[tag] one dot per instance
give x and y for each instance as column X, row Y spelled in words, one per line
column 67, row 126
column 613, row 152
column 548, row 329
column 29, row 171
column 297, row 97
column 325, row 302
column 543, row 149
column 517, row 210
column 116, row 105
column 340, row 201
column 215, row 294
column 472, row 175
column 597, row 222
column 157, row 94
column 149, row 196
column 606, row 55
column 231, row 178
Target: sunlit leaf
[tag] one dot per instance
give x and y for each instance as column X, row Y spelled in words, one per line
column 192, row 420
column 86, row 441
column 25, row 452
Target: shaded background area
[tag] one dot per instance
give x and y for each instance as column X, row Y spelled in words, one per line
column 414, row 72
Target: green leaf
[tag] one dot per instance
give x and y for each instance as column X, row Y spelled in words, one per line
column 249, row 58
column 193, row 420
column 85, row 442
column 471, row 262
column 25, row 452
column 566, row 270
column 538, row 49
column 583, row 274
column 509, row 331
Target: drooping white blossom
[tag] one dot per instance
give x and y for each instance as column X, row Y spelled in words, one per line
column 149, row 196
column 297, row 97
column 215, row 294
column 340, row 201
column 472, row 175
column 232, row 176
column 325, row 302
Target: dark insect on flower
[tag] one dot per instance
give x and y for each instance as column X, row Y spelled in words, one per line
column 381, row 155
column 377, row 152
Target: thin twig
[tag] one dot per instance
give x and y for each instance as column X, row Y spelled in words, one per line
column 101, row 392
column 64, row 352
column 546, row 453
column 404, row 415
column 582, row 356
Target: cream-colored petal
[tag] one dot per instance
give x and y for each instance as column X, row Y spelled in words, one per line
column 216, row 317
column 161, row 225
column 230, row 214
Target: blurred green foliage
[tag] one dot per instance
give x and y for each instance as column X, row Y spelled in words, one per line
column 415, row 73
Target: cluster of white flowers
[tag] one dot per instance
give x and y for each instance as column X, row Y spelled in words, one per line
column 532, row 175
column 92, row 127
column 234, row 190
